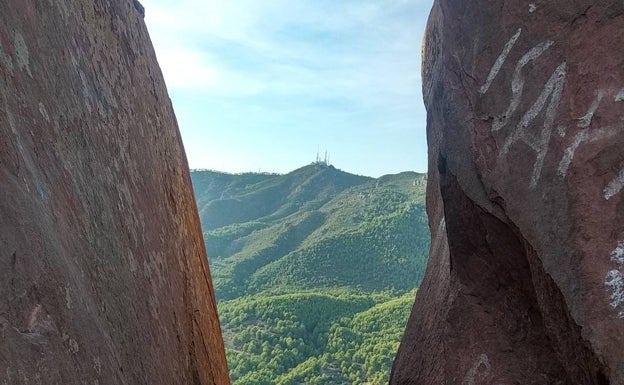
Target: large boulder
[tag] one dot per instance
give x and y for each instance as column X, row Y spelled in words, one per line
column 103, row 273
column 525, row 283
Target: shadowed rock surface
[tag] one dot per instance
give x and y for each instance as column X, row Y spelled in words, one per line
column 104, row 278
column 525, row 283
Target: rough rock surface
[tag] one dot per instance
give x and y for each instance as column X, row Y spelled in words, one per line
column 103, row 273
column 525, row 284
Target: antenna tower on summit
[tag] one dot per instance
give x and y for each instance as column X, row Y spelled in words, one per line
column 325, row 160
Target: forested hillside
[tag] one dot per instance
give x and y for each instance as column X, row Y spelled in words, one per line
column 314, row 271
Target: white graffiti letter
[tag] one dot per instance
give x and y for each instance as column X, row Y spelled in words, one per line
column 539, row 141
column 615, row 186
column 500, row 61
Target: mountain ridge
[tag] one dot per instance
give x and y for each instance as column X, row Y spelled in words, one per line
column 316, row 281
column 313, row 209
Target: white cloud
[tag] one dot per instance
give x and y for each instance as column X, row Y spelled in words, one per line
column 186, row 68
column 376, row 54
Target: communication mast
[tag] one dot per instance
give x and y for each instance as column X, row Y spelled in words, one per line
column 325, row 160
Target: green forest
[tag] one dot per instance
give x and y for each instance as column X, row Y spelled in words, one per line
column 315, row 271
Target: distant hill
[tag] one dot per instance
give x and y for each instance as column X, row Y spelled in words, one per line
column 309, row 228
column 238, row 198
column 315, row 239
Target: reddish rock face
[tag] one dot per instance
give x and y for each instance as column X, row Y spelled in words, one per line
column 104, row 278
column 525, row 284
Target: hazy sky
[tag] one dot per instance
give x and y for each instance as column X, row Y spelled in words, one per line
column 261, row 84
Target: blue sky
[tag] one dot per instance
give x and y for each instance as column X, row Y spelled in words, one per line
column 260, row 85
